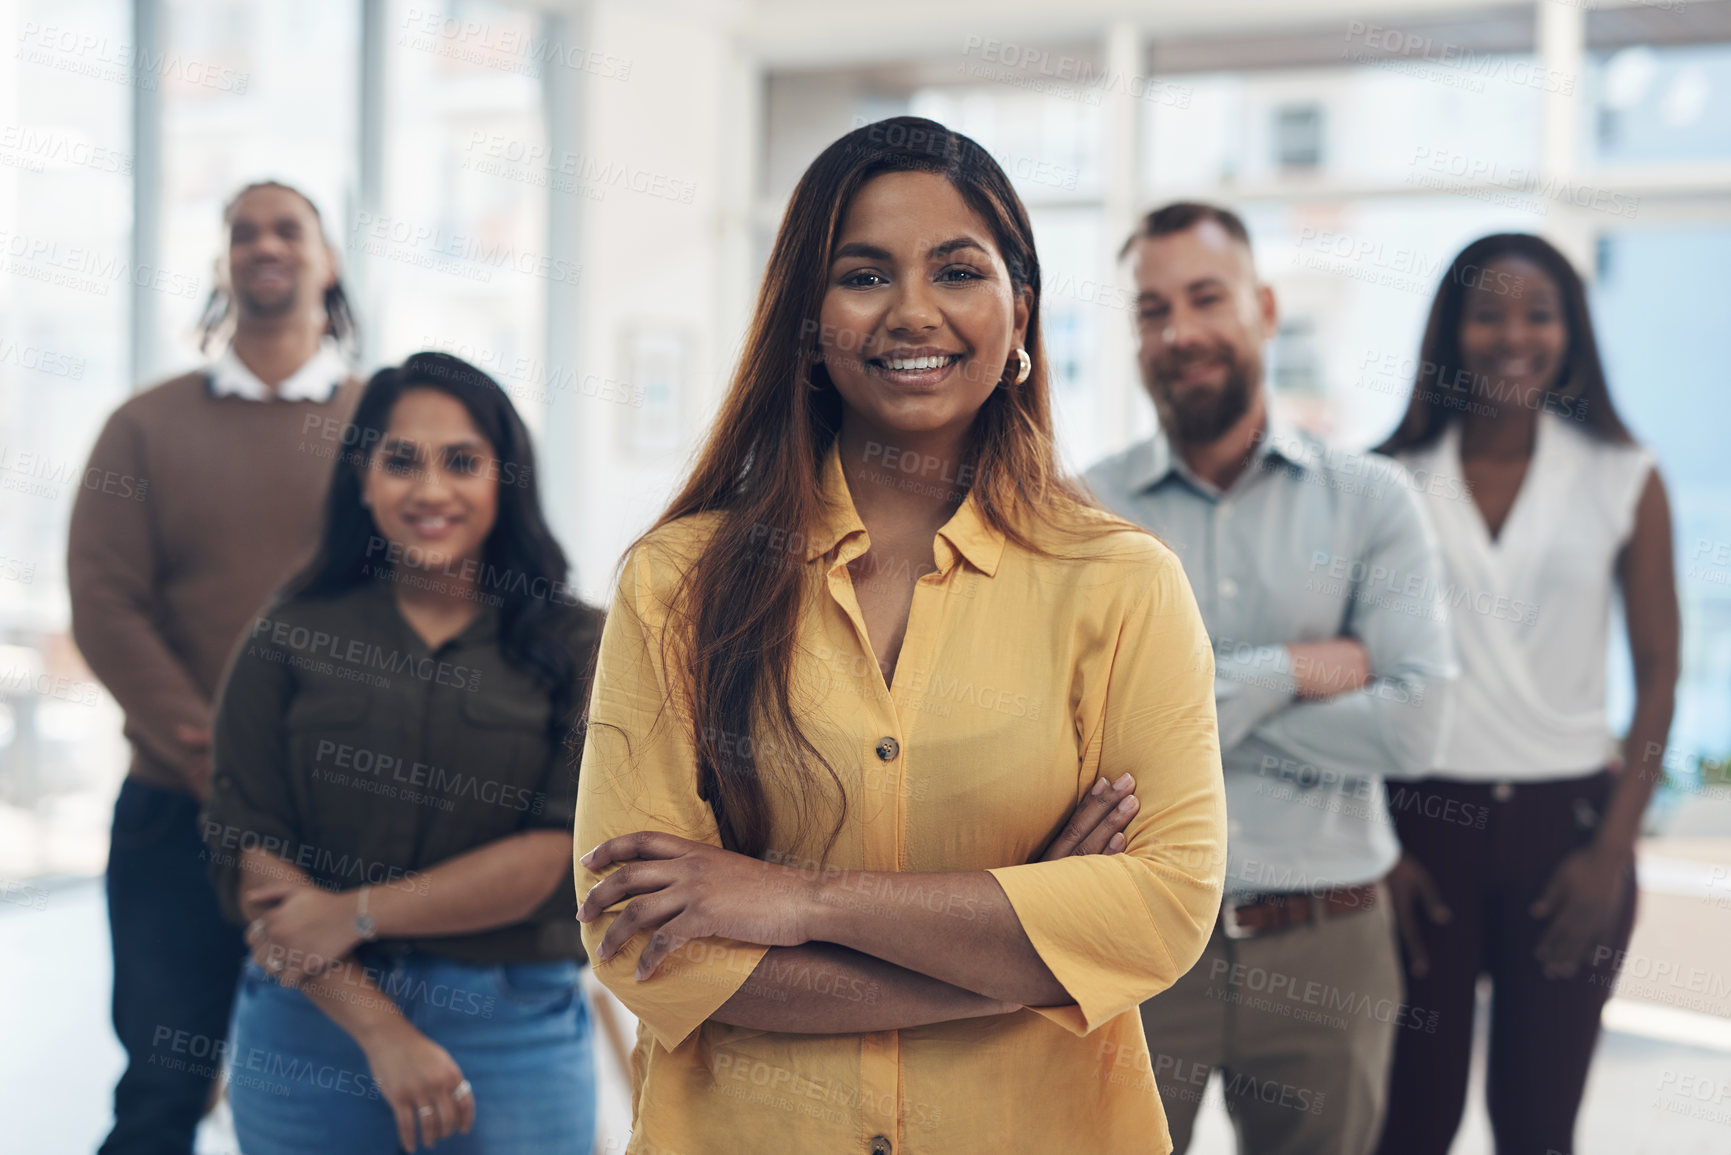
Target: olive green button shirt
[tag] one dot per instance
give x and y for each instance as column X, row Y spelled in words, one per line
column 345, row 746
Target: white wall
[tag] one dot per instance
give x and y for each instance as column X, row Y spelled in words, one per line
column 687, row 113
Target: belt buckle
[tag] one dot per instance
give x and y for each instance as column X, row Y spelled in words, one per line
column 1229, row 925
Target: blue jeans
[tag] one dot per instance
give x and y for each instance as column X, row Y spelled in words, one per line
column 299, row 1083
column 175, row 962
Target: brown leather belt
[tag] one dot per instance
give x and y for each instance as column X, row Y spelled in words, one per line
column 1263, row 914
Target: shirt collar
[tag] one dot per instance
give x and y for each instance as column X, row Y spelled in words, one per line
column 381, row 588
column 1155, row 460
column 967, row 534
column 316, row 380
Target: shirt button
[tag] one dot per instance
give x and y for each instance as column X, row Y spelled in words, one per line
column 880, row 1145
column 1502, row 792
column 888, row 748
column 1228, row 588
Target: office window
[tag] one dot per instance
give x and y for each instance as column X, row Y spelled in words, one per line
column 65, row 251
column 1298, row 136
column 1049, row 146
column 457, row 257
column 1668, row 103
column 1404, row 124
column 1294, row 361
column 246, row 107
column 1659, row 311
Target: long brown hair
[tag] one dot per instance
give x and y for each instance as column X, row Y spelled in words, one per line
column 736, row 608
column 1581, row 390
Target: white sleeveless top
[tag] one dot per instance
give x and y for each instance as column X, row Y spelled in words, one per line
column 1531, row 610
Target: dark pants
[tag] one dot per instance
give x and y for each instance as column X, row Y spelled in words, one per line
column 1492, row 849
column 176, row 960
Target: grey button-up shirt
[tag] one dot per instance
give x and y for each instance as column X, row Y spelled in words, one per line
column 1309, row 543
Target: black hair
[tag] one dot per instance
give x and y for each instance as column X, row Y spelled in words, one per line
column 523, row 571
column 339, row 314
column 1581, row 383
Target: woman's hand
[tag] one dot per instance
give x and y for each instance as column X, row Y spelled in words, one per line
column 1097, row 824
column 300, row 929
column 1582, row 901
column 421, row 1082
column 1410, row 887
column 692, row 890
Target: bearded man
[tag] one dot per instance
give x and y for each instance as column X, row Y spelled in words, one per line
column 1317, row 575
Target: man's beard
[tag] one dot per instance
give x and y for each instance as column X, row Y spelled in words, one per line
column 1206, row 414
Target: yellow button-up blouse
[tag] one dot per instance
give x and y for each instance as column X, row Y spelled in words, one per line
column 1021, row 679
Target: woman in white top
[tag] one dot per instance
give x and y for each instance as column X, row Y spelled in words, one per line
column 1519, row 848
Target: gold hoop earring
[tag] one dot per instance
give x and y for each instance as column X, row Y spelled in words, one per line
column 1024, row 366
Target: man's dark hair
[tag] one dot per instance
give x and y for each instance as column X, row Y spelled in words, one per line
column 219, row 306
column 1181, row 215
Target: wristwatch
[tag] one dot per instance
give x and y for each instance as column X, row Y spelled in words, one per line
column 365, row 924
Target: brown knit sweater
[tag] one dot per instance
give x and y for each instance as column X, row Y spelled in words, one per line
column 193, row 510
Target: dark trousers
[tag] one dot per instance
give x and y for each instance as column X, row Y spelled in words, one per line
column 176, row 961
column 1492, row 850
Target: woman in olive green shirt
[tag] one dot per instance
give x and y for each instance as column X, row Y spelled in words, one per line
column 392, row 804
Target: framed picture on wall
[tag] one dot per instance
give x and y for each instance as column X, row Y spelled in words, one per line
column 657, row 363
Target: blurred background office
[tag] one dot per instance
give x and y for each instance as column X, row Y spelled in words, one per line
column 580, row 197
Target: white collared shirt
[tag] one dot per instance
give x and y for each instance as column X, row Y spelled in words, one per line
column 316, row 380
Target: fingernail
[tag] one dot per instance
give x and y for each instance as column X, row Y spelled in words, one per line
column 1122, row 781
column 1128, row 804
column 1099, row 786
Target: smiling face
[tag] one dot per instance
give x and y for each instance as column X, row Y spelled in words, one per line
column 433, row 482
column 1201, row 320
column 1520, row 342
column 920, row 317
column 278, row 262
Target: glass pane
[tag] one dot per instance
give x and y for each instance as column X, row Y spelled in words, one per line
column 1660, row 104
column 1353, row 282
column 65, row 250
column 1077, row 299
column 1389, row 124
column 1660, row 307
column 1048, row 146
column 248, row 106
column 458, row 259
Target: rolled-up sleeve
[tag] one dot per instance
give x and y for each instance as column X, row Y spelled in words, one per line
column 639, row 772
column 1116, row 930
column 251, row 804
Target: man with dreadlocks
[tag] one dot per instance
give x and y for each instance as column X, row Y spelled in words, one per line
column 202, row 495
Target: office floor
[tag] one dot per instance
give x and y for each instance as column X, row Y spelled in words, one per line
column 1659, row 1087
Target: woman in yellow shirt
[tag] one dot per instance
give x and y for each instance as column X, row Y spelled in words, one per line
column 856, row 679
